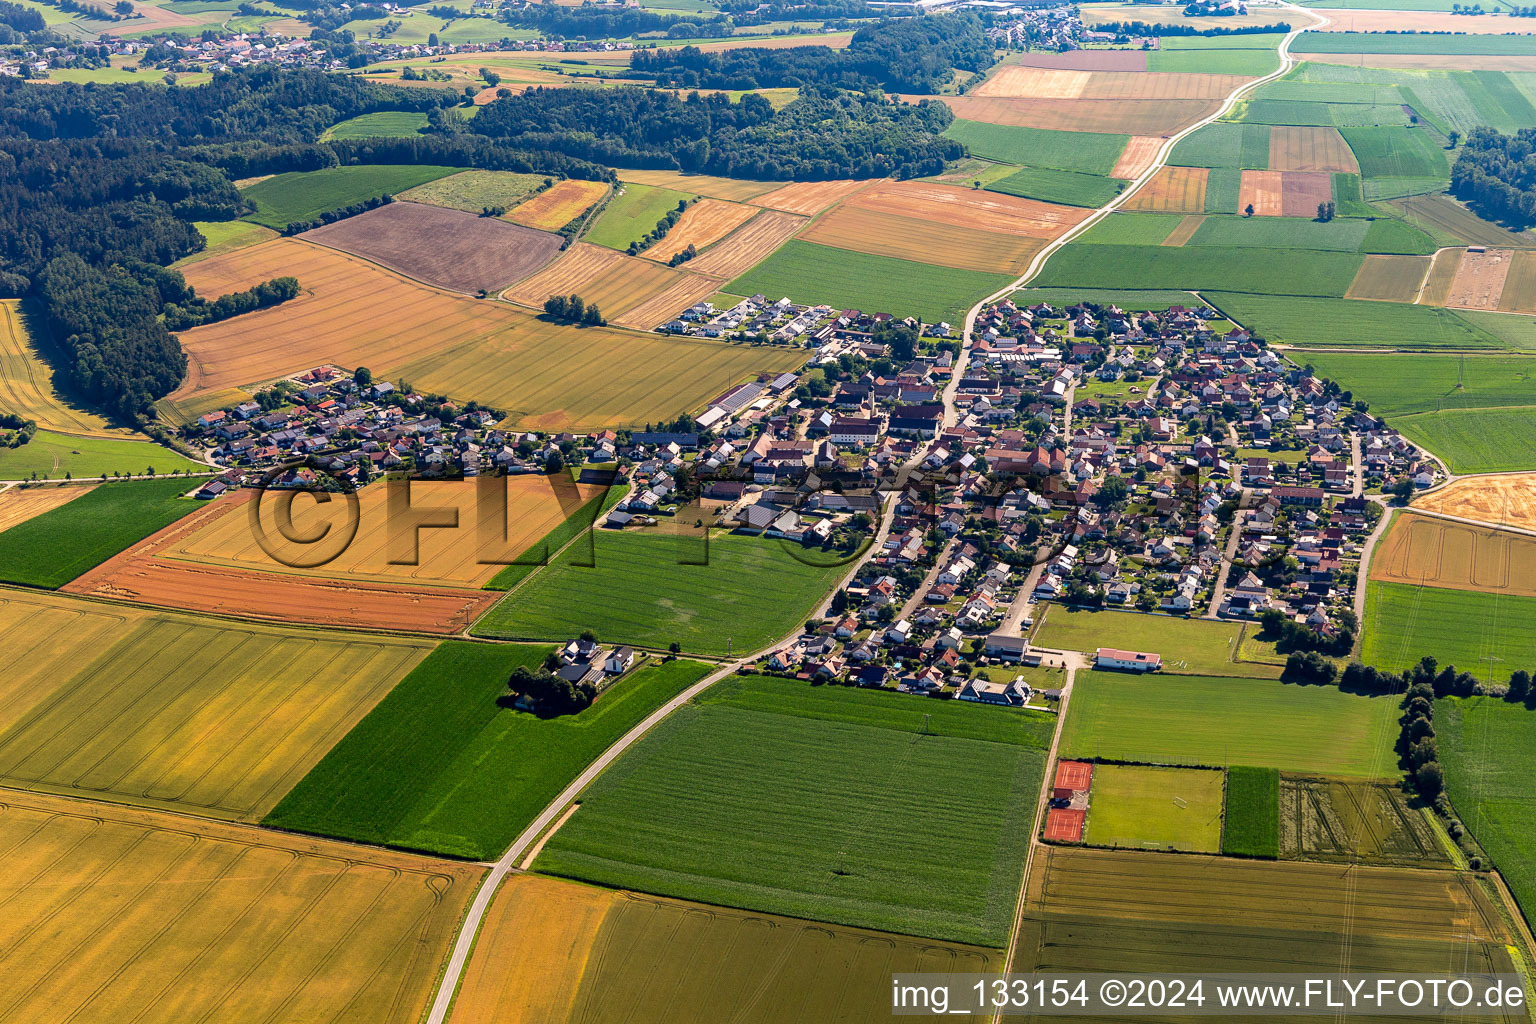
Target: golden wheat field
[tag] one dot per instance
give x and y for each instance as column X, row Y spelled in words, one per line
column 747, row 245
column 1508, row 498
column 1389, row 278
column 808, row 197
column 28, row 384
column 1437, row 553
column 1172, row 190
column 18, row 504
column 702, row 224
column 558, row 205
column 926, row 241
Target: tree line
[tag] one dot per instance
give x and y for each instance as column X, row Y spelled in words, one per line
column 200, row 311
column 1497, row 174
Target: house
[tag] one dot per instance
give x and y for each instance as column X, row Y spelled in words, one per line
column 1005, row 648
column 1129, row 661
column 854, row 431
column 916, row 420
column 1014, row 694
column 1309, row 496
column 619, row 661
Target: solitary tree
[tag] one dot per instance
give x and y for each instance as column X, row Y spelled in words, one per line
column 1248, row 210
column 1455, row 137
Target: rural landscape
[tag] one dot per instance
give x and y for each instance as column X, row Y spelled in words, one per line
column 684, row 511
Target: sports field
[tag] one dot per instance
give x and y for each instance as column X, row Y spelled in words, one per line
column 1488, row 750
column 654, row 589
column 134, row 914
column 1211, row 721
column 30, row 387
column 1195, row 646
column 1488, row 635
column 1251, row 813
column 810, row 273
column 475, row 191
column 442, row 765
column 305, row 195
column 1141, row 807
column 1506, row 499
column 180, row 712
column 1436, row 553
column 731, row 801
column 555, row 952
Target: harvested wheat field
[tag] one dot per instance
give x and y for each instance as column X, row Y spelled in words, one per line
column 184, row 712
column 1181, row 235
column 747, row 245
column 1082, row 60
column 1479, row 279
column 1420, row 21
column 616, row 283
column 702, row 184
column 1310, row 149
column 558, row 205
column 1519, row 294
column 139, row 915
column 926, row 241
column 1508, row 499
column 350, row 312
column 18, row 504
column 1128, row 117
column 1389, row 278
column 1429, row 61
column 1432, row 552
column 968, row 208
column 555, row 377
column 1139, row 154
column 1015, row 82
column 808, row 197
column 448, row 248
column 1284, row 193
column 27, row 382
column 1172, row 190
column 687, row 290
column 704, row 223
column 1443, row 268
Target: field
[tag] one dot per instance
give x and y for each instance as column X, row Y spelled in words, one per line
column 1450, row 223
column 1251, row 825
column 558, row 205
column 1018, row 82
column 1433, row 552
column 1098, row 14
column 1509, row 499
column 1479, row 279
column 51, row 549
column 1394, row 237
column 1172, row 190
column 1339, row 322
column 1085, row 152
column 1145, row 300
column 1373, row 41
column 1309, row 149
column 385, row 123
column 1052, row 186
column 1201, row 267
column 650, row 590
column 1396, row 153
column 1279, row 233
column 441, row 765
column 738, row 251
column 29, row 385
column 1173, row 809
column 305, row 195
column 1212, row 722
column 147, row 720
column 1139, row 154
column 1225, row 144
column 728, row 802
column 53, row 456
column 917, row 239
column 467, row 254
column 133, row 914
column 1198, row 646
column 808, row 197
column 474, row 191
column 1247, row 56
column 1114, row 117
column 226, row 236
column 624, row 287
column 553, row 952
column 738, row 190
column 702, row 224
column 1485, row 634
column 817, row 273
column 1123, row 912
column 20, row 503
column 1284, row 193
column 1389, row 278
column 1486, row 749
column 1476, row 440
column 1355, row 822
column 1398, row 385
column 632, row 213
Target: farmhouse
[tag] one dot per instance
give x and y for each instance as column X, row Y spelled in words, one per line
column 1130, row 661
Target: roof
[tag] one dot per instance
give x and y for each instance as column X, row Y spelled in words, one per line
column 1140, row 657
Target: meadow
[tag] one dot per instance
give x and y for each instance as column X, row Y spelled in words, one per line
column 442, row 766
column 168, row 917
column 383, row 124
column 1251, row 826
column 55, row 547
column 53, row 456
column 1476, row 440
column 1396, row 385
column 1488, row 635
column 1052, row 186
column 1488, row 750
column 775, row 796
column 653, row 590
column 225, row 236
column 1195, row 646
column 1084, row 152
column 1200, row 267
column 30, row 386
column 1213, row 722
column 474, row 191
column 305, row 195
column 631, row 214
column 1323, row 322
column 841, row 278
column 1142, row 807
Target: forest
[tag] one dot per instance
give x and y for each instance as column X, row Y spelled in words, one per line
column 1496, row 174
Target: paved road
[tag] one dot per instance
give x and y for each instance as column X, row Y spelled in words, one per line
column 1224, row 565
column 1023, row 600
column 938, row 566
column 1357, row 466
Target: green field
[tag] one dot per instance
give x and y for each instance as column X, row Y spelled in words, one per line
column 1394, row 237
column 1143, row 229
column 1488, row 751
column 1199, row 646
column 1397, row 153
column 1084, row 152
column 305, row 195
column 383, row 124
column 643, row 590
column 1281, row 233
column 1225, row 144
column 806, row 272
column 1476, row 440
column 1141, row 807
column 1252, row 821
column 1323, row 322
column 1132, row 300
column 225, row 236
column 51, row 456
column 440, row 766
column 784, row 798
column 1436, row 43
column 1488, row 635
column 628, row 217
column 1397, row 385
column 1213, row 722
column 64, row 542
column 541, row 551
column 1052, row 186
column 1228, row 268
column 474, row 191
column 1218, row 58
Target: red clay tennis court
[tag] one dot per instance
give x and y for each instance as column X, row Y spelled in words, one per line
column 1064, row 825
column 1071, row 777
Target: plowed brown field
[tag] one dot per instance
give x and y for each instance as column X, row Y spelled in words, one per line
column 705, row 222
column 558, row 205
column 18, row 504
column 1480, row 279
column 1172, row 190
column 1137, row 156
column 1284, row 193
column 747, row 245
column 1309, row 149
column 808, row 197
